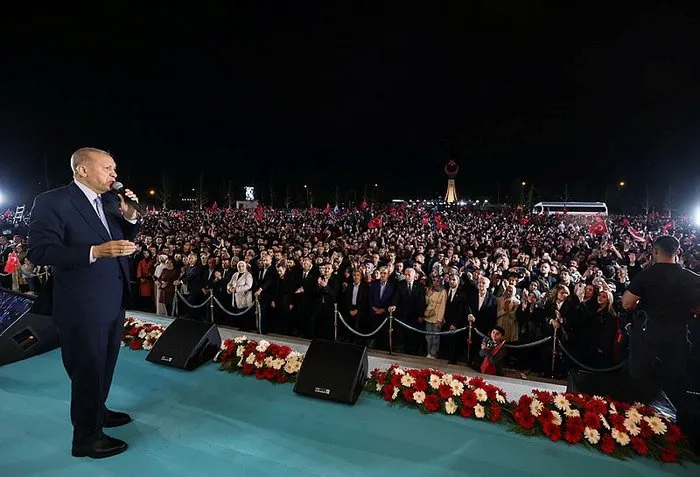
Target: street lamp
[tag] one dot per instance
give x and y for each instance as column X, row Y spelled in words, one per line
column 622, row 184
column 151, row 192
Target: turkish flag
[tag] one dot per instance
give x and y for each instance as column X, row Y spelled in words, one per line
column 598, row 227
column 328, row 209
column 375, row 223
column 12, row 263
column 363, row 204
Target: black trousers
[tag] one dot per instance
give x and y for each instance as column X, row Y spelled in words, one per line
column 89, row 353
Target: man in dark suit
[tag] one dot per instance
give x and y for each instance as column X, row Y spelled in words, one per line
column 304, row 297
column 456, row 311
column 86, row 235
column 354, row 307
column 266, row 284
column 410, row 305
column 381, row 297
column 194, row 279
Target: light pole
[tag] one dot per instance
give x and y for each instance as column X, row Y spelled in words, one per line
column 522, row 193
column 308, row 202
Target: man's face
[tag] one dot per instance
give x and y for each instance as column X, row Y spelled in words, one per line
column 383, row 275
column 410, row 274
column 483, row 284
column 99, row 172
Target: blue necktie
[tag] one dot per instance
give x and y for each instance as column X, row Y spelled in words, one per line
column 101, row 214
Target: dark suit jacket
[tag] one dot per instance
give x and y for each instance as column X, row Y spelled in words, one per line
column 486, row 315
column 63, row 227
column 386, row 300
column 362, row 303
column 457, row 309
column 410, row 307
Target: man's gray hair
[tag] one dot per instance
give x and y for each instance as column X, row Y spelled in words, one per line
column 82, row 155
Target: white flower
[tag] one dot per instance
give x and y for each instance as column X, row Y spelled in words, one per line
column 656, row 424
column 591, row 435
column 240, row 339
column 536, row 407
column 604, row 422
column 479, row 411
column 292, row 366
column 379, row 388
column 481, row 395
column 613, row 409
column 632, row 427
column 457, row 387
column 419, row 397
column 142, row 334
column 240, row 363
column 268, row 361
column 633, row 415
column 262, row 346
column 561, row 402
column 239, row 351
column 250, row 359
column 147, row 345
column 620, row 437
column 434, row 381
column 556, row 418
column 571, row 412
column 277, row 363
column 599, row 398
column 500, row 398
column 446, row 379
column 407, row 380
column 395, row 393
column 258, row 364
column 399, row 371
column 450, row 406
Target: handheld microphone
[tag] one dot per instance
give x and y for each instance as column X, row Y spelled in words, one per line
column 118, row 188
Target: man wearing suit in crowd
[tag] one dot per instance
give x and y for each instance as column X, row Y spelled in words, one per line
column 381, row 302
column 326, row 296
column 86, row 235
column 355, row 306
column 485, row 310
column 410, row 305
column 265, row 287
column 193, row 278
column 219, row 289
column 456, row 311
column 304, row 297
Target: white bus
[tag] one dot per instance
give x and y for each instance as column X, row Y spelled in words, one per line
column 570, row 208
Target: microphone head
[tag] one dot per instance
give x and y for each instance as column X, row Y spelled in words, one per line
column 117, row 187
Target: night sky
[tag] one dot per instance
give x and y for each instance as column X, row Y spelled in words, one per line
column 316, row 93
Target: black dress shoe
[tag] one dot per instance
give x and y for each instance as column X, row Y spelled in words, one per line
column 103, row 447
column 116, row 419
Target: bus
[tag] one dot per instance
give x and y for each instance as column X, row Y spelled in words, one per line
column 570, row 208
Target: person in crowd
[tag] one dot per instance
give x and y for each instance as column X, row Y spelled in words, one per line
column 493, row 352
column 240, row 288
column 434, row 315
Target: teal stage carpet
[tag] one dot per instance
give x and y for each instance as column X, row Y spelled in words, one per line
column 208, row 422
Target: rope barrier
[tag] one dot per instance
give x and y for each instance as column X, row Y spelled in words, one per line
column 588, row 368
column 177, row 292
column 450, row 332
column 230, row 313
column 363, row 335
column 521, row 346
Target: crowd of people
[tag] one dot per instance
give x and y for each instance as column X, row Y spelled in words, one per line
column 523, row 276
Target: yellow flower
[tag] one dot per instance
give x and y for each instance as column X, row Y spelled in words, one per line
column 656, row 424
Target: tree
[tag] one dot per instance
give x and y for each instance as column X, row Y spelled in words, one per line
column 201, row 192
column 165, row 191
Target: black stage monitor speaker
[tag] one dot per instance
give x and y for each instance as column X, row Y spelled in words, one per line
column 333, row 371
column 23, row 333
column 186, row 344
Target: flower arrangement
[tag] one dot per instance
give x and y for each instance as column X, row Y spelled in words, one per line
column 431, row 391
column 615, row 428
column 263, row 359
column 140, row 335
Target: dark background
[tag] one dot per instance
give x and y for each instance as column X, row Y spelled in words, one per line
column 565, row 97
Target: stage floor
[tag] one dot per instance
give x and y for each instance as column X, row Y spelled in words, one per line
column 208, row 422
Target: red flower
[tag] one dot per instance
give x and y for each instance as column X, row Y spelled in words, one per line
column 547, row 427
column 639, row 446
column 618, row 422
column 591, row 420
column 555, row 435
column 284, row 352
column 572, row 435
column 282, row 378
column 543, row 396
column 469, row 398
column 270, row 374
column 466, row 411
column 260, row 373
column 421, row 384
column 575, row 424
column 596, row 406
column 674, row 433
column 388, row 392
column 445, row 391
column 669, row 454
column 607, row 444
column 381, row 378
column 135, row 344
column 527, row 420
column 477, row 382
column 133, row 331
column 396, row 380
column 248, row 368
column 432, row 402
column 407, row 395
column 645, row 430
column 260, row 356
column 495, row 412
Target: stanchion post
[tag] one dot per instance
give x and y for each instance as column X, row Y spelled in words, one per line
column 391, row 331
column 335, row 322
column 211, row 306
column 257, row 314
column 469, row 343
column 554, row 349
